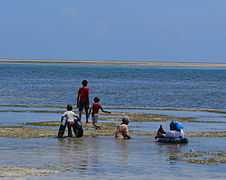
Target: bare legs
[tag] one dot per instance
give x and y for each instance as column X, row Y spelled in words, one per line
column 87, row 115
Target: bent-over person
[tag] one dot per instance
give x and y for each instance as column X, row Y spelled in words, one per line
column 122, row 131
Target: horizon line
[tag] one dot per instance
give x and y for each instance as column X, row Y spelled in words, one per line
column 153, row 63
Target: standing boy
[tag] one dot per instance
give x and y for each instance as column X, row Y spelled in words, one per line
column 83, row 99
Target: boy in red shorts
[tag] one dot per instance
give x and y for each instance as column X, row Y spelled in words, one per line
column 83, row 100
column 96, row 106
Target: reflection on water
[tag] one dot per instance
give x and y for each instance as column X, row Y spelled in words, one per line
column 107, row 158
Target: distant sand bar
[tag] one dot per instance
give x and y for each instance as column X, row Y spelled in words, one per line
column 116, row 62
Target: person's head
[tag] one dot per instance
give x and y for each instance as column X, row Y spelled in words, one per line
column 125, row 120
column 96, row 99
column 160, row 126
column 84, row 82
column 69, row 107
column 173, row 125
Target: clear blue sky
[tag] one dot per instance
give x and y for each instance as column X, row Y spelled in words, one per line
column 167, row 30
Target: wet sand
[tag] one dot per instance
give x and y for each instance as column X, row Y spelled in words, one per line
column 43, row 129
column 143, row 122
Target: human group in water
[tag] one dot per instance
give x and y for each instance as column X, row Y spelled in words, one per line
column 73, row 121
column 83, row 104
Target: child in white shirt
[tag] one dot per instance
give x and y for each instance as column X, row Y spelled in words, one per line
column 70, row 117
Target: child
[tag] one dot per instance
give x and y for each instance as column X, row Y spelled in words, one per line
column 83, row 99
column 160, row 132
column 70, row 116
column 95, row 110
column 122, row 131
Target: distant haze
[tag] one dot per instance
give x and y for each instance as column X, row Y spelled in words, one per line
column 166, row 30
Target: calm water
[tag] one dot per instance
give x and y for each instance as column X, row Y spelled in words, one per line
column 125, row 86
column 106, row 158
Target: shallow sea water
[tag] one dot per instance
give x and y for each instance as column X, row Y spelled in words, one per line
column 126, row 86
column 107, row 158
column 43, row 90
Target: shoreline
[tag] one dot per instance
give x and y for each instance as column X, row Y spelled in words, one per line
column 117, row 62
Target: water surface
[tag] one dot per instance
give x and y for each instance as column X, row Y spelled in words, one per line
column 105, row 157
column 56, row 84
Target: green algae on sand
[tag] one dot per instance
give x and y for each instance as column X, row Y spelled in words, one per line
column 26, row 132
column 44, row 123
column 196, row 157
column 24, row 171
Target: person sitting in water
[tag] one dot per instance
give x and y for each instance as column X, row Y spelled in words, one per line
column 176, row 130
column 94, row 110
column 160, row 133
column 122, row 131
column 70, row 117
column 172, row 125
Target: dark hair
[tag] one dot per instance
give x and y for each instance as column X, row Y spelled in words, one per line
column 96, row 99
column 69, row 107
column 84, row 82
column 172, row 125
column 125, row 120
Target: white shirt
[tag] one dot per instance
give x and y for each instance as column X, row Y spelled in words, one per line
column 70, row 116
column 175, row 134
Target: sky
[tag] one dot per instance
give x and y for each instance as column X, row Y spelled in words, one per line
column 156, row 30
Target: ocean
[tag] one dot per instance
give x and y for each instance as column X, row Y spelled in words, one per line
column 117, row 86
column 39, row 92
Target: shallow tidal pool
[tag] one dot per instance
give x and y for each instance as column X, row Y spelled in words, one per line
column 106, row 158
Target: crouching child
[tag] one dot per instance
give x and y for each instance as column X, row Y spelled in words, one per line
column 122, row 131
column 160, row 133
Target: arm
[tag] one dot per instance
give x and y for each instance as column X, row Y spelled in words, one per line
column 127, row 137
column 126, row 133
column 62, row 118
column 104, row 110
column 88, row 100
column 90, row 110
column 76, row 117
column 78, row 96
